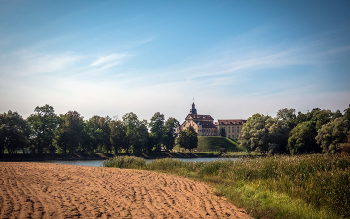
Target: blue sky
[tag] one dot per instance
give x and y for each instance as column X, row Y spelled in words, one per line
column 235, row 58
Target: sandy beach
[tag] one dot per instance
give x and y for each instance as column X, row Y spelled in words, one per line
column 41, row 190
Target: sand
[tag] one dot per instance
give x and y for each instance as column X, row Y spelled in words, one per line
column 42, row 190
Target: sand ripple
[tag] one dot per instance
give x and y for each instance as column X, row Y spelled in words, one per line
column 37, row 190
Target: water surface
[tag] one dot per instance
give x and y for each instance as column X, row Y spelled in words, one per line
column 98, row 163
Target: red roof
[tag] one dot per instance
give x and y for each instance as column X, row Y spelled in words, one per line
column 206, row 124
column 196, row 116
column 231, row 121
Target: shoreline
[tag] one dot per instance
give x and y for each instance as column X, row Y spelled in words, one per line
column 103, row 156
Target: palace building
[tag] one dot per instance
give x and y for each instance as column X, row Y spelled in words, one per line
column 233, row 127
column 204, row 124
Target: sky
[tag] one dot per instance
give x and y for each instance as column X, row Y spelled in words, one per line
column 234, row 58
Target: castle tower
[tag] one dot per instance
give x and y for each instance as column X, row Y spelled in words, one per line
column 193, row 110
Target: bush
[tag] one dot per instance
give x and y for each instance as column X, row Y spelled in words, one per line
column 125, row 162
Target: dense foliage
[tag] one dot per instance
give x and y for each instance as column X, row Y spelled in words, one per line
column 313, row 132
column 46, row 132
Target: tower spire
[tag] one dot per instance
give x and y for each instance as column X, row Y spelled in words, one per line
column 193, row 110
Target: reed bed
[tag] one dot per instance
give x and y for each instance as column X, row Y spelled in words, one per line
column 306, row 186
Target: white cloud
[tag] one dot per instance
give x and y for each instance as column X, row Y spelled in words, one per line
column 110, row 60
column 27, row 63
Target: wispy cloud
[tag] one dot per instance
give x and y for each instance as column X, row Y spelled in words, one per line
column 27, row 63
column 109, row 61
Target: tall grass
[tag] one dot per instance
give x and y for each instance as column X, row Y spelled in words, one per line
column 125, row 162
column 307, row 186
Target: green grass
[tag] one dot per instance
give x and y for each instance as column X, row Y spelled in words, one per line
column 307, row 186
column 214, row 143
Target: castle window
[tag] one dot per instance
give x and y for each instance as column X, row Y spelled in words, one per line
column 229, row 130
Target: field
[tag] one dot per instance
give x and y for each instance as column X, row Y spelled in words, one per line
column 37, row 190
column 307, row 186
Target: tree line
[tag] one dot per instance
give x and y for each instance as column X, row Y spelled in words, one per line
column 46, row 132
column 313, row 132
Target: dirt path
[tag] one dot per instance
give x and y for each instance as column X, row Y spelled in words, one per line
column 36, row 190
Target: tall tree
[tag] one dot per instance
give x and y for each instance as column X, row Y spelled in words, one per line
column 157, row 129
column 254, row 135
column 188, row 138
column 118, row 135
column 302, row 139
column 142, row 135
column 222, row 132
column 14, row 132
column 347, row 113
column 278, row 132
column 69, row 137
column 332, row 135
column 100, row 131
column 286, row 114
column 131, row 122
column 170, row 133
column 44, row 121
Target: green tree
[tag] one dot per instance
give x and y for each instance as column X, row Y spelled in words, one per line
column 254, row 135
column 302, row 139
column 286, row 114
column 14, row 132
column 141, row 142
column 43, row 122
column 170, row 133
column 131, row 122
column 100, row 131
column 222, row 132
column 69, row 136
column 332, row 135
column 157, row 129
column 347, row 113
column 188, row 138
column 118, row 135
column 278, row 131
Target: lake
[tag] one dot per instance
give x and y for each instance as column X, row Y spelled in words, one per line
column 98, row 163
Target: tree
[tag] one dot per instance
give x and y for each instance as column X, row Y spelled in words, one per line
column 254, row 135
column 157, row 129
column 170, row 133
column 302, row 139
column 278, row 135
column 100, row 131
column 222, row 132
column 347, row 113
column 131, row 122
column 188, row 138
column 264, row 134
column 286, row 114
column 44, row 122
column 69, row 136
column 332, row 135
column 118, row 135
column 141, row 143
column 14, row 132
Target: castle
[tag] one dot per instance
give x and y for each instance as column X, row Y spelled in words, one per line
column 204, row 124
